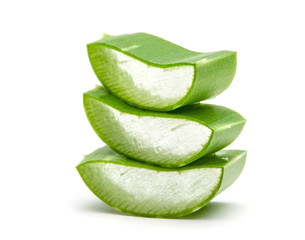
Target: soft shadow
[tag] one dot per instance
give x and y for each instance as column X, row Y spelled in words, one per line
column 217, row 210
column 212, row 211
column 99, row 207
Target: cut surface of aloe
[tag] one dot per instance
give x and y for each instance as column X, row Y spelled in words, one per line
column 152, row 73
column 170, row 139
column 142, row 189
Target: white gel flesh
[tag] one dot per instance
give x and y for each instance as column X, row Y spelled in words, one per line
column 152, row 139
column 139, row 82
column 146, row 191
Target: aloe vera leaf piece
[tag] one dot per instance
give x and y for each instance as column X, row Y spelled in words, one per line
column 152, row 73
column 171, row 139
column 141, row 189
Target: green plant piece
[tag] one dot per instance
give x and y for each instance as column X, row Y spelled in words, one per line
column 141, row 189
column 171, row 139
column 152, row 73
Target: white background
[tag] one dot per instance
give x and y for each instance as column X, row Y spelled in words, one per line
column 44, row 70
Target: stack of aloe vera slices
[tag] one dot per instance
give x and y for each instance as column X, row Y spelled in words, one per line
column 164, row 156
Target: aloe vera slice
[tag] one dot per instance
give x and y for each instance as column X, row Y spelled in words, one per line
column 151, row 73
column 141, row 189
column 170, row 139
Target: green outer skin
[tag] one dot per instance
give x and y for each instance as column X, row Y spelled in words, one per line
column 213, row 72
column 217, row 118
column 230, row 161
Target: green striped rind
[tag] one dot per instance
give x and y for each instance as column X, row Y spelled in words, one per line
column 213, row 72
column 230, row 162
column 225, row 123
